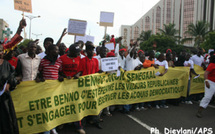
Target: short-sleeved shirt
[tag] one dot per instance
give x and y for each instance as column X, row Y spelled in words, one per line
column 98, row 57
column 121, row 62
column 70, row 65
column 50, row 72
column 197, row 60
column 42, row 55
column 88, row 66
column 163, row 63
column 29, row 66
column 148, row 63
column 131, row 63
column 211, row 69
column 186, row 63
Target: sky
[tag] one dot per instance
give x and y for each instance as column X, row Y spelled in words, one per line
column 55, row 15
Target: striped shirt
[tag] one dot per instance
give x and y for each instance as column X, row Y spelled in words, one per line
column 50, row 72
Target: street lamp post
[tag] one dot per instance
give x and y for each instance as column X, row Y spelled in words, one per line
column 30, row 18
column 36, row 35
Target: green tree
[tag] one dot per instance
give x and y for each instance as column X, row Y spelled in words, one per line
column 107, row 37
column 163, row 43
column 24, row 43
column 209, row 41
column 144, row 36
column 169, row 30
column 198, row 31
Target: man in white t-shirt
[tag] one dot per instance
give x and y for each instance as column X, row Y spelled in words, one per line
column 130, row 45
column 121, row 58
column 162, row 62
column 198, row 59
column 102, row 54
column 132, row 62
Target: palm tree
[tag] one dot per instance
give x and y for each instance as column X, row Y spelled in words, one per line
column 169, row 30
column 144, row 36
column 198, row 31
column 107, row 38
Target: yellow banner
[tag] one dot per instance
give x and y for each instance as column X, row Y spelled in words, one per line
column 197, row 85
column 43, row 106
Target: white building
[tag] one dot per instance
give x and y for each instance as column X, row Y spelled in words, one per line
column 179, row 12
column 3, row 26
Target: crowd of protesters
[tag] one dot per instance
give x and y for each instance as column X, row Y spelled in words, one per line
column 58, row 62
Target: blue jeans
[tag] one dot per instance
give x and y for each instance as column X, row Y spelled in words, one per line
column 188, row 98
column 78, row 125
column 162, row 102
column 139, row 105
column 127, row 107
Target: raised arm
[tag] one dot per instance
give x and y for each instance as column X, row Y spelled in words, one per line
column 61, row 37
column 17, row 37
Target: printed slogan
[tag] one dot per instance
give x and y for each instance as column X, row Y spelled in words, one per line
column 43, row 106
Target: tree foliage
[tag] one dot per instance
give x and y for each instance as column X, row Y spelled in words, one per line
column 163, row 43
column 24, row 43
column 169, row 30
column 144, row 36
column 198, row 31
column 108, row 38
column 209, row 41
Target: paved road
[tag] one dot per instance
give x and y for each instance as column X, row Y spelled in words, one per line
column 140, row 122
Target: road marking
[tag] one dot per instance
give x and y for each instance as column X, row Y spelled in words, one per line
column 141, row 123
column 211, row 106
column 208, row 105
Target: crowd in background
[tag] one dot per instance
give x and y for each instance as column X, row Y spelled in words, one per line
column 58, row 62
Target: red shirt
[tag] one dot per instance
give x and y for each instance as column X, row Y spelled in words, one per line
column 82, row 52
column 211, row 69
column 50, row 72
column 114, row 41
column 70, row 65
column 88, row 66
column 13, row 61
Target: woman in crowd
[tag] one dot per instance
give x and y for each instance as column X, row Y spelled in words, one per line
column 121, row 58
column 150, row 62
column 169, row 60
column 8, row 122
column 189, row 63
column 141, row 56
column 209, row 76
column 162, row 62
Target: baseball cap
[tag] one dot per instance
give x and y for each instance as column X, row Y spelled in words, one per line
column 89, row 45
column 74, row 48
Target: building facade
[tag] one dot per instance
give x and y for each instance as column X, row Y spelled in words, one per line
column 3, row 26
column 179, row 12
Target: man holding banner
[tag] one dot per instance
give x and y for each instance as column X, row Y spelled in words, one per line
column 132, row 63
column 70, row 64
column 49, row 68
column 89, row 65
